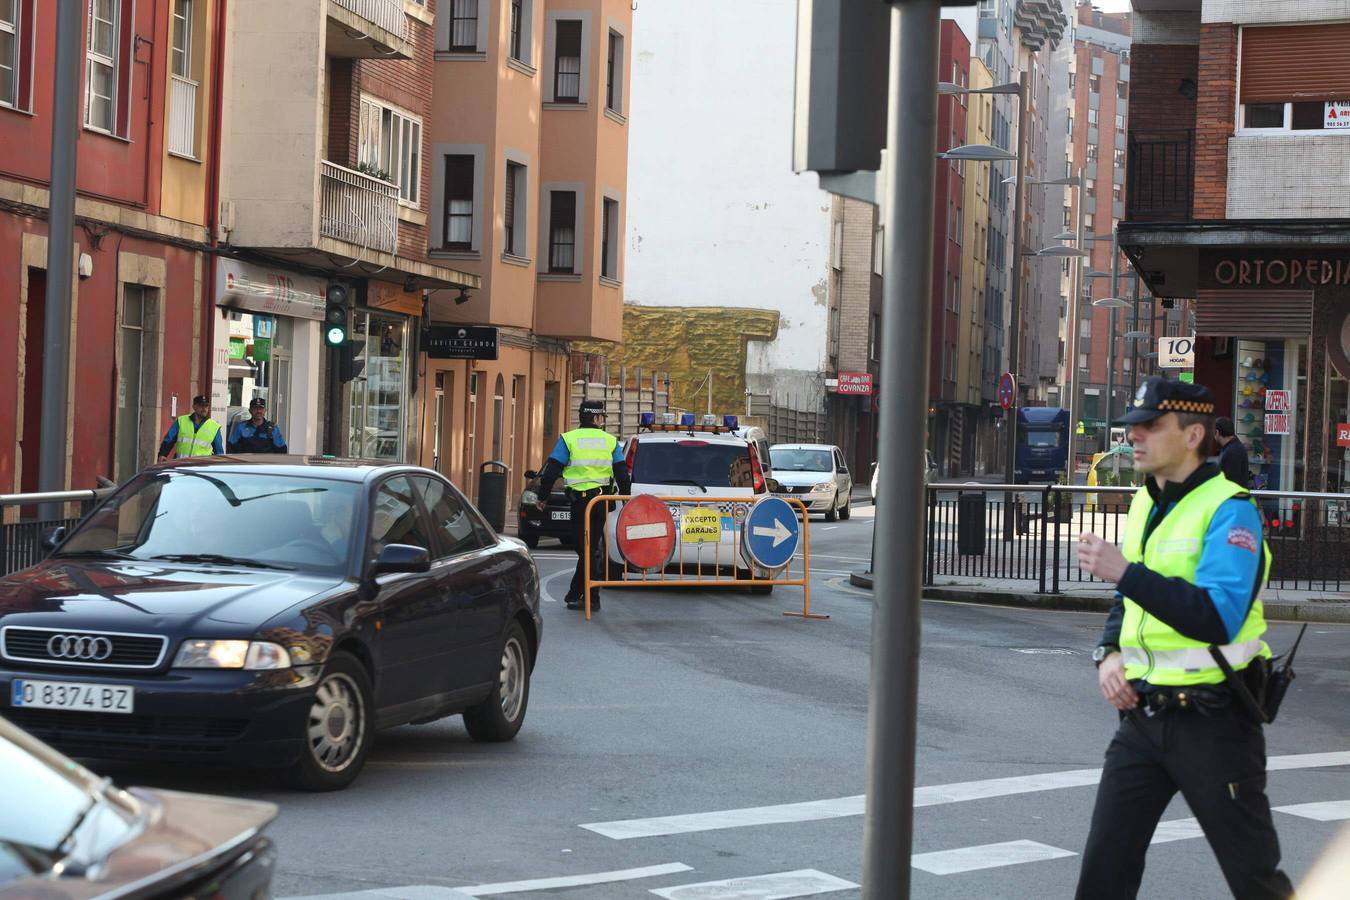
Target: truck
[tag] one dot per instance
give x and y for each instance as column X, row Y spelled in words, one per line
column 1042, row 444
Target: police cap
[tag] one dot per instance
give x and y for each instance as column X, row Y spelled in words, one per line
column 1157, row 397
column 592, row 407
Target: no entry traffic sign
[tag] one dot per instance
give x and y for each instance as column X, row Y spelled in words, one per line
column 1007, row 390
column 645, row 532
column 771, row 532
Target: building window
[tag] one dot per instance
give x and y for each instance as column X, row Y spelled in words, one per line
column 180, row 53
column 567, row 62
column 988, row 9
column 609, row 240
column 1120, row 122
column 391, row 148
column 614, row 73
column 459, row 176
column 1119, row 156
column 513, row 212
column 562, row 231
column 182, row 87
column 1091, row 186
column 1092, row 117
column 12, row 28
column 1095, row 83
column 517, row 15
column 464, row 26
column 1122, row 90
column 101, row 61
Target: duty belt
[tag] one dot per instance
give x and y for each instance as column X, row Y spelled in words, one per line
column 1202, row 698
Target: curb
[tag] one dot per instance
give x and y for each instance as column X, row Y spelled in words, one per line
column 1321, row 611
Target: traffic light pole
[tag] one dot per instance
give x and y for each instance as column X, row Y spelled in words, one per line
column 909, row 165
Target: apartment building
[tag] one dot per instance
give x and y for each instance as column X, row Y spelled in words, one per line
column 150, row 80
column 529, row 176
column 977, row 244
column 854, row 299
column 1237, row 197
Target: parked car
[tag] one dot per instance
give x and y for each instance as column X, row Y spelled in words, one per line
column 930, row 472
column 554, row 522
column 815, row 474
column 65, row 833
column 701, row 461
column 271, row 613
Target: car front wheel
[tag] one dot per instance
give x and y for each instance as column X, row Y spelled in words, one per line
column 832, row 513
column 501, row 714
column 338, row 729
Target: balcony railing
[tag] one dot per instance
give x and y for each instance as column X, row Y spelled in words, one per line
column 387, row 14
column 183, row 116
column 359, row 209
column 1161, row 176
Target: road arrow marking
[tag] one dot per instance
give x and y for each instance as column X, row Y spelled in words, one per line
column 778, row 532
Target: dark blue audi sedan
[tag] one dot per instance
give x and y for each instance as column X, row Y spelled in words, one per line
column 275, row 613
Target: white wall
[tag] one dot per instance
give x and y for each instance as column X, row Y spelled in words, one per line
column 715, row 216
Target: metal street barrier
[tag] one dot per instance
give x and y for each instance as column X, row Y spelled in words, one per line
column 678, row 542
column 1308, row 533
column 21, row 543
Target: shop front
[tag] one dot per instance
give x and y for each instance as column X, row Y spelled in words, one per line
column 267, row 345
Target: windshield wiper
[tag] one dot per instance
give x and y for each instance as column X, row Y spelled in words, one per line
column 221, row 558
column 94, row 554
column 688, row 481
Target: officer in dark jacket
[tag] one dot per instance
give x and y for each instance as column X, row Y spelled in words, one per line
column 588, row 459
column 1232, row 453
column 256, row 434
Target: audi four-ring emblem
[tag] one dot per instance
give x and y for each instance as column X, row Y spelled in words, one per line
column 86, row 648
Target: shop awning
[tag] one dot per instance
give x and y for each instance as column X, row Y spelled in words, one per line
column 1167, row 254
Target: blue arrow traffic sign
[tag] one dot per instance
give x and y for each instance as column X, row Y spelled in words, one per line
column 771, row 532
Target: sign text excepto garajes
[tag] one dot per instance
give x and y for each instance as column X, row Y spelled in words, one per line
column 701, row 525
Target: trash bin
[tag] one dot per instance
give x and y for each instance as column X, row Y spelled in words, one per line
column 970, row 523
column 492, row 478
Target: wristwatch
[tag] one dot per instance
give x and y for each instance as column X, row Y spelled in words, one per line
column 1101, row 652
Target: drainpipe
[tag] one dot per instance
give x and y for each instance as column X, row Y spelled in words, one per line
column 217, row 85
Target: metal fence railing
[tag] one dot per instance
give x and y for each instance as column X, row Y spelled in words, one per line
column 358, row 208
column 22, row 542
column 183, row 116
column 1029, row 533
column 387, row 14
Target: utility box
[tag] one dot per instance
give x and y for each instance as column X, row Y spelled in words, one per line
column 971, row 523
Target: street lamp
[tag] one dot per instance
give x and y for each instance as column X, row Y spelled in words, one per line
column 1111, row 303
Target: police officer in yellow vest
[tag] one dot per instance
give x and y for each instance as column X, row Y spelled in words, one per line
column 194, row 435
column 587, row 459
column 1188, row 577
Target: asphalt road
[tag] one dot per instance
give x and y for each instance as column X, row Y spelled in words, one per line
column 692, row 703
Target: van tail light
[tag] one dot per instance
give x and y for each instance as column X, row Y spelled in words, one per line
column 631, row 457
column 756, row 470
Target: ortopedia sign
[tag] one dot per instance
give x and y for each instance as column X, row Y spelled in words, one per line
column 701, row 525
column 858, row 384
column 771, row 533
column 645, row 532
column 1343, row 434
column 1176, row 352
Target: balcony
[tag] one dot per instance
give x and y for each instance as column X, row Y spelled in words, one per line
column 359, row 209
column 1161, row 181
column 368, row 29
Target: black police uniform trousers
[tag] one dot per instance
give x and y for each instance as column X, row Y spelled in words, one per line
column 1218, row 762
column 579, row 500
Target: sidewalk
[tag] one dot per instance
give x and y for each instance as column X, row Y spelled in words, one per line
column 1281, row 604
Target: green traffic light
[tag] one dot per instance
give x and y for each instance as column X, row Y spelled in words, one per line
column 336, row 336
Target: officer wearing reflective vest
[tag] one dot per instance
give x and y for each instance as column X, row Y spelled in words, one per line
column 1188, row 576
column 587, row 459
column 194, row 435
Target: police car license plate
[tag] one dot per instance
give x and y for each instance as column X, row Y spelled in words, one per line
column 108, row 698
column 562, row 515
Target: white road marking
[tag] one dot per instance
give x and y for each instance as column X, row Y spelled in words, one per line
column 650, row 530
column 1324, row 811
column 779, row 886
column 987, row 856
column 932, row 795
column 1177, row 830
column 544, row 594
column 566, row 881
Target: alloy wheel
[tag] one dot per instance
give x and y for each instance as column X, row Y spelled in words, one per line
column 512, row 680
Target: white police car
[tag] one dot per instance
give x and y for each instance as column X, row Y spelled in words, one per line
column 714, row 458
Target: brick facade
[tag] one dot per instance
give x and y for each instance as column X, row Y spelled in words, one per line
column 1215, row 107
column 1157, row 92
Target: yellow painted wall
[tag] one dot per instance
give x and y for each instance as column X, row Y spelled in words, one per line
column 184, row 180
column 686, row 342
column 970, row 343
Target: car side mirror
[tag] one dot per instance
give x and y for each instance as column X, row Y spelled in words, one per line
column 401, row 558
column 531, row 473
column 54, row 538
column 772, row 485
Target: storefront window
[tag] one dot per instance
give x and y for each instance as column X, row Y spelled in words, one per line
column 1338, row 434
column 1270, row 400
column 379, row 401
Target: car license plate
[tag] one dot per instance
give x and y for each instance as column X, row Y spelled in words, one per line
column 562, row 515
column 74, row 695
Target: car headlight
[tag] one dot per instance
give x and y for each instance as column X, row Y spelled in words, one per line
column 528, row 498
column 197, row 653
column 823, row 486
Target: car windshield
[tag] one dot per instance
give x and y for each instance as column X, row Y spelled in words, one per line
column 1040, row 438
column 243, row 518
column 786, row 459
column 693, row 461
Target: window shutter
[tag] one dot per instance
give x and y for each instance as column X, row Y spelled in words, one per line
column 1295, row 62
column 1232, row 313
